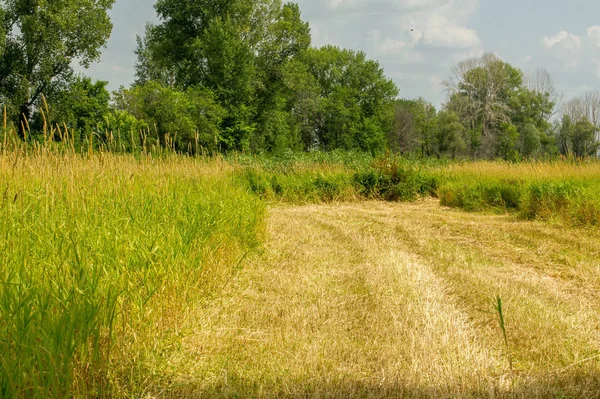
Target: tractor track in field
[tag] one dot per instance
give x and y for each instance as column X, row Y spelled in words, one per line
column 381, row 300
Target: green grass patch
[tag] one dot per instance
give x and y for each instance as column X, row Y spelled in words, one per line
column 102, row 262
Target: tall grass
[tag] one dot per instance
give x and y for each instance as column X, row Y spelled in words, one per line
column 104, row 257
column 321, row 177
column 559, row 192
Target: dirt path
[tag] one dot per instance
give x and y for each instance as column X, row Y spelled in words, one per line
column 397, row 300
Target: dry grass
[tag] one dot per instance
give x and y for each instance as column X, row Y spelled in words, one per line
column 384, row 300
column 557, row 170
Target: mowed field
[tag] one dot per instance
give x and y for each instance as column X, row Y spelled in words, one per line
column 169, row 277
column 400, row 300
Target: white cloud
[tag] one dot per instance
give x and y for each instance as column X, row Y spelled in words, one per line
column 566, row 47
column 593, row 34
column 412, row 39
column 391, row 46
column 441, row 32
column 577, row 55
column 563, row 40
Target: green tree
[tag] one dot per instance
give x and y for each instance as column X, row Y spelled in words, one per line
column 507, row 142
column 404, row 137
column 188, row 120
column 356, row 109
column 39, row 40
column 288, row 39
column 278, row 93
column 80, row 107
column 565, row 135
column 584, row 139
column 426, row 123
column 215, row 45
column 461, row 106
column 303, row 96
column 531, row 140
column 577, row 138
column 125, row 128
column 449, row 135
column 486, row 86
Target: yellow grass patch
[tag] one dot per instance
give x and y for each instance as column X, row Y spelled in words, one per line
column 385, row 300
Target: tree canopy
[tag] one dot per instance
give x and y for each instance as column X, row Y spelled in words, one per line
column 242, row 75
column 39, row 42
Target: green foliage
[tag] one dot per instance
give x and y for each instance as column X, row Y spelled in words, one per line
column 508, row 138
column 577, row 138
column 297, row 181
column 583, row 138
column 449, row 135
column 82, row 108
column 278, row 92
column 241, row 76
column 501, row 116
column 500, row 195
column 38, row 42
column 308, row 186
column 530, row 140
column 403, row 136
column 565, row 195
column 186, row 120
column 544, row 200
column 356, row 107
column 531, row 107
column 126, row 129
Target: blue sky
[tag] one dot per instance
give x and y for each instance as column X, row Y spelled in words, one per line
column 419, row 41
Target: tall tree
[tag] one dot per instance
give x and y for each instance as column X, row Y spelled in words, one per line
column 357, row 100
column 278, row 93
column 577, row 138
column 288, row 39
column 449, row 135
column 486, row 86
column 232, row 47
column 404, row 137
column 39, row 41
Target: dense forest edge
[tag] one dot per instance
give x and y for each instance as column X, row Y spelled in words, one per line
column 242, row 76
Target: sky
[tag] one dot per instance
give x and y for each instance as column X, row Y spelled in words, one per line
column 418, row 42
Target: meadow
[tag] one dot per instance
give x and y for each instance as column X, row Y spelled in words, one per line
column 304, row 275
column 561, row 191
column 105, row 261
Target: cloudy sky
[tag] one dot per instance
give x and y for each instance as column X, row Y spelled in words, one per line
column 419, row 41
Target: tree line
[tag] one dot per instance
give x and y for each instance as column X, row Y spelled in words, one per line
column 242, row 75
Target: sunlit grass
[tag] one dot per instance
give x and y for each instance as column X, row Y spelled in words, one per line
column 104, row 258
column 561, row 191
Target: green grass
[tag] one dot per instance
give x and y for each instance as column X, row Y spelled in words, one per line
column 103, row 258
column 322, row 178
column 557, row 192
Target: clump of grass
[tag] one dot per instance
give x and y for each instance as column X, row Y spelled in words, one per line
column 387, row 178
column 503, row 195
column 562, row 192
column 299, row 187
